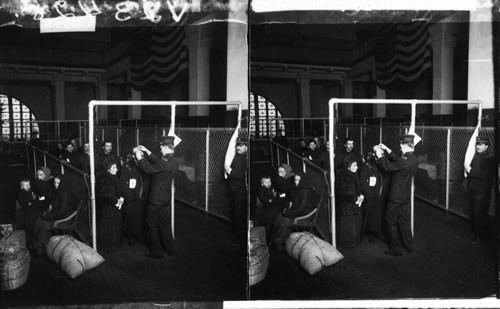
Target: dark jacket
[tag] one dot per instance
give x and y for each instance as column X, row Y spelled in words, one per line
column 265, row 195
column 315, row 156
column 482, row 173
column 401, row 169
column 162, row 173
column 64, row 203
column 283, row 186
column 368, row 171
column 348, row 189
column 108, row 193
column 304, row 199
column 126, row 175
column 237, row 177
column 72, row 158
column 340, row 155
column 100, row 159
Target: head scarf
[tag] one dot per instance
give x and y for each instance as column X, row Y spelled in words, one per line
column 288, row 170
column 47, row 172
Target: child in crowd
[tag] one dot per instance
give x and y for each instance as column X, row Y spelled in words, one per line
column 28, row 210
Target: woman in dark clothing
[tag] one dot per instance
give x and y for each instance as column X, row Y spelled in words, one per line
column 349, row 201
column 371, row 188
column 283, row 183
column 109, row 201
column 63, row 203
column 303, row 200
column 43, row 186
column 132, row 212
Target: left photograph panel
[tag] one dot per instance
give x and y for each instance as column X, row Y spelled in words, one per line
column 123, row 158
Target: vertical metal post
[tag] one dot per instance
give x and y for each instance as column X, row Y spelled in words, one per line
column 332, row 169
column 207, row 169
column 27, row 156
column 102, row 135
column 62, row 169
column 34, row 161
column 304, row 169
column 278, row 155
column 44, row 158
column 117, row 142
column 271, row 152
column 288, row 158
column 380, row 131
column 58, row 129
column 172, row 205
column 448, row 152
column 137, row 136
column 92, row 174
column 361, row 145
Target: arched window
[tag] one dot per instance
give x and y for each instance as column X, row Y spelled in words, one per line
column 265, row 118
column 17, row 119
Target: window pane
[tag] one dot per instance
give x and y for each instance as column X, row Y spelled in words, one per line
column 252, row 113
column 4, row 99
column 16, row 116
column 16, row 108
column 272, row 113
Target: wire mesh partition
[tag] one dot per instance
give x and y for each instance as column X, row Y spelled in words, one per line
column 76, row 179
column 440, row 154
column 197, row 183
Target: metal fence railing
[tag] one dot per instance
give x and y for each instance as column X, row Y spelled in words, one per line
column 316, row 176
column 200, row 182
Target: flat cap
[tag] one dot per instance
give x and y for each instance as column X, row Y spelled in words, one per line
column 241, row 141
column 406, row 139
column 167, row 141
column 482, row 140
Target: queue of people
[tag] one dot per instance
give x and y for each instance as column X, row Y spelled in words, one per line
column 373, row 194
column 132, row 197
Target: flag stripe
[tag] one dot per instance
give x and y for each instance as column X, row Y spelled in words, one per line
column 403, row 52
column 162, row 57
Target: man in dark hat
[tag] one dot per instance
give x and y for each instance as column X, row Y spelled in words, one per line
column 158, row 214
column 481, row 176
column 237, row 180
column 402, row 169
column 341, row 154
column 106, row 154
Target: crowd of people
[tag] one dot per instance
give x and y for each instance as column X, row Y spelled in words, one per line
column 372, row 193
column 132, row 196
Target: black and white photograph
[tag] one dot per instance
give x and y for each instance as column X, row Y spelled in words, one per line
column 373, row 165
column 124, row 152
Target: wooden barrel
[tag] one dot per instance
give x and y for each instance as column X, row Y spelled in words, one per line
column 259, row 261
column 14, row 269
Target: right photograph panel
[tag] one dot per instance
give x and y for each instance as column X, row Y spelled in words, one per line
column 372, row 154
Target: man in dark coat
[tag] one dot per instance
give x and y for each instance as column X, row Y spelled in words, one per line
column 402, row 169
column 158, row 213
column 237, row 181
column 101, row 156
column 348, row 150
column 481, row 176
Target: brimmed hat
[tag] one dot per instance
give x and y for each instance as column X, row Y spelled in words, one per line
column 407, row 139
column 482, row 140
column 241, row 141
column 167, row 141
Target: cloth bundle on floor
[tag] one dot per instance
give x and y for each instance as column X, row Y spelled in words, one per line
column 259, row 256
column 73, row 256
column 14, row 269
column 13, row 242
column 312, row 252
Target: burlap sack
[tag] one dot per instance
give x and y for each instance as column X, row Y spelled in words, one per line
column 73, row 256
column 312, row 252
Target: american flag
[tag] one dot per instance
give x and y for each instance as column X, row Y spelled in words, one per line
column 403, row 52
column 159, row 55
